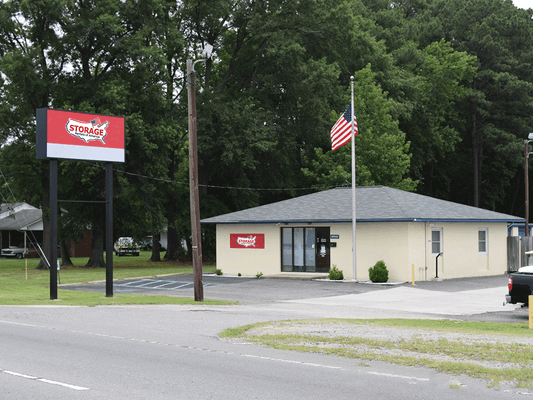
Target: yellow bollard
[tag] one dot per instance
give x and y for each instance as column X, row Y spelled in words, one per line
column 530, row 312
column 413, row 274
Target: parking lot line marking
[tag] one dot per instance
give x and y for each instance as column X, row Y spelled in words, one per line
column 130, row 283
column 184, row 284
column 164, row 284
column 149, row 283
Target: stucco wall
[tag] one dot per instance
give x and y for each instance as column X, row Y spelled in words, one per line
column 249, row 261
column 406, row 247
column 401, row 245
column 461, row 257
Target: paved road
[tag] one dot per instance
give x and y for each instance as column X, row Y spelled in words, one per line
column 162, row 352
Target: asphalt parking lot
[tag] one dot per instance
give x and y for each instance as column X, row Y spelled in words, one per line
column 232, row 288
column 250, row 289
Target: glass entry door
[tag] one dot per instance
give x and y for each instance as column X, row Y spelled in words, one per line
column 302, row 249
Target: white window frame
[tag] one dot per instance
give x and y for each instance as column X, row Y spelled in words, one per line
column 486, row 241
column 440, row 241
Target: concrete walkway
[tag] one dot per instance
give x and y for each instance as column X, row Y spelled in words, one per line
column 410, row 299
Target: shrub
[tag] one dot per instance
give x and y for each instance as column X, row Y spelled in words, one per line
column 218, row 271
column 259, row 275
column 335, row 274
column 378, row 273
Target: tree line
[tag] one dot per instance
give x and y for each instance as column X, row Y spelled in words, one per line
column 443, row 101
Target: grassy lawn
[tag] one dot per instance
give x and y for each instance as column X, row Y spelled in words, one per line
column 27, row 286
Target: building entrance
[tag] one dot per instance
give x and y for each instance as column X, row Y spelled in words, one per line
column 322, row 249
column 305, row 249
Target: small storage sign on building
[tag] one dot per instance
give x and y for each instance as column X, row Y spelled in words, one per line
column 309, row 234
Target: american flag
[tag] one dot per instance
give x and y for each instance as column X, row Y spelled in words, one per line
column 341, row 133
column 96, row 121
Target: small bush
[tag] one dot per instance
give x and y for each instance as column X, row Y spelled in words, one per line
column 239, row 274
column 379, row 273
column 335, row 274
column 218, row 271
column 259, row 275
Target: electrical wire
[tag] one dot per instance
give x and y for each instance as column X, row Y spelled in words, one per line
column 164, row 180
column 33, row 239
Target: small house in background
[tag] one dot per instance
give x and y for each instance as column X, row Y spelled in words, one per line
column 408, row 231
column 18, row 220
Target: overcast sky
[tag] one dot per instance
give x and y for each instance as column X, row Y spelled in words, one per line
column 523, row 3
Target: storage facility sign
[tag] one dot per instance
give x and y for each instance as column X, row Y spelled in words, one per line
column 247, row 240
column 80, row 136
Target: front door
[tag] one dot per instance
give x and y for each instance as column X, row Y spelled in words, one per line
column 305, row 249
column 322, row 249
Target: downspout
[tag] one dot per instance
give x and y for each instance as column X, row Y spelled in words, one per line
column 437, row 266
column 426, row 250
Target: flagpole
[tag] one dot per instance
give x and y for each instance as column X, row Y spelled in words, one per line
column 354, row 218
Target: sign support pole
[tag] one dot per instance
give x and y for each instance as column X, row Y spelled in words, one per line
column 56, row 134
column 53, row 229
column 109, row 230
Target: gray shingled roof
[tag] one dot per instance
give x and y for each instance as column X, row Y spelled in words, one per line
column 21, row 219
column 8, row 206
column 374, row 203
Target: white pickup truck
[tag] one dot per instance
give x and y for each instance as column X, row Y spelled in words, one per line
column 126, row 245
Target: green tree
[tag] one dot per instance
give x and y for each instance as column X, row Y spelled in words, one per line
column 501, row 99
column 30, row 67
column 83, row 56
column 491, row 121
column 268, row 96
column 431, row 115
column 381, row 151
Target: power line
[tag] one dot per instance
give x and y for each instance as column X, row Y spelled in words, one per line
column 163, row 180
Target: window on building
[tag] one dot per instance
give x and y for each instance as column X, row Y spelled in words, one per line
column 483, row 237
column 436, row 241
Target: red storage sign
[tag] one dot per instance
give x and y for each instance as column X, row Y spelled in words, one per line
column 80, row 136
column 247, row 240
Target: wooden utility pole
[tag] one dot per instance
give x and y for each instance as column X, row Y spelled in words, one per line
column 193, row 187
column 526, row 175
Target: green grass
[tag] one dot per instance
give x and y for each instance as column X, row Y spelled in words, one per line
column 454, row 357
column 21, row 286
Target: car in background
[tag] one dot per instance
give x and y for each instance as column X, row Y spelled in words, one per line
column 146, row 243
column 520, row 285
column 126, row 245
column 15, row 252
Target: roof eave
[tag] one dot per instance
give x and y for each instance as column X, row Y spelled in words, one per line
column 333, row 221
